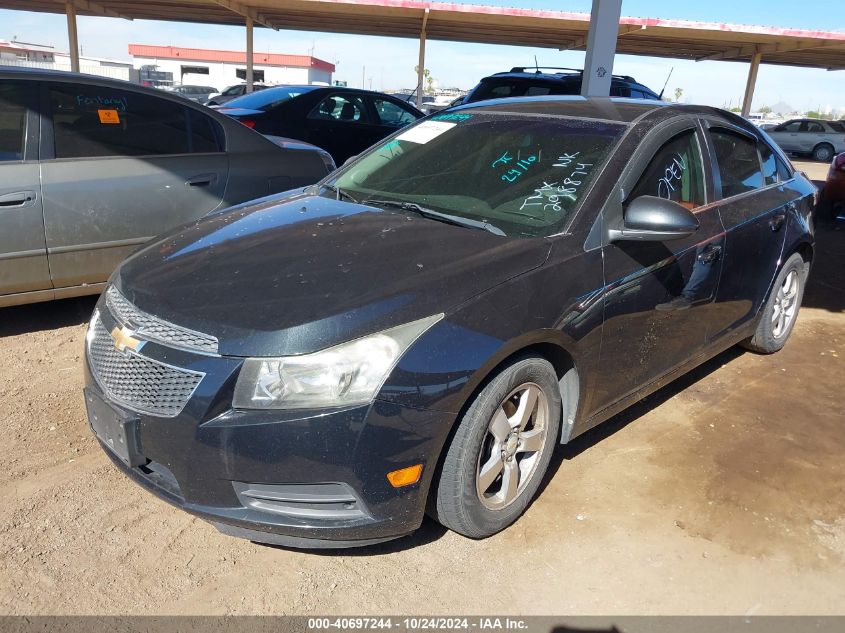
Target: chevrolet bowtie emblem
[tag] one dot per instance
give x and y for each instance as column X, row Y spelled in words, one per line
column 123, row 338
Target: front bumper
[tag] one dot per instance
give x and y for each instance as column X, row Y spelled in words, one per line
column 294, row 478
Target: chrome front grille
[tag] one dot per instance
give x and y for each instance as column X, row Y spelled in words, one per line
column 137, row 382
column 152, row 328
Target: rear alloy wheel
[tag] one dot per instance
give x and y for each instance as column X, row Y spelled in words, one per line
column 781, row 309
column 500, row 451
column 823, row 152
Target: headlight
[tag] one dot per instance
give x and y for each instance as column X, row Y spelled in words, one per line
column 344, row 375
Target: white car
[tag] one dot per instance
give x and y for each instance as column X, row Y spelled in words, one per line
column 820, row 139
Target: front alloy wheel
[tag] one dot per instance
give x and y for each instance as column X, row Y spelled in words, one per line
column 511, row 449
column 500, row 450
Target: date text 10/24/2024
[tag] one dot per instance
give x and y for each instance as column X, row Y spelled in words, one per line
column 420, row 623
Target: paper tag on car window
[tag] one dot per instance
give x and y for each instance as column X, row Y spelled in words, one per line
column 108, row 116
column 425, row 131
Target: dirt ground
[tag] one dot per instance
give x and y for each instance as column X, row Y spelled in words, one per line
column 720, row 494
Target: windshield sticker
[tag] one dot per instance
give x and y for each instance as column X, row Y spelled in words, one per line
column 452, row 116
column 425, row 132
column 117, row 103
column 108, row 117
column 673, row 172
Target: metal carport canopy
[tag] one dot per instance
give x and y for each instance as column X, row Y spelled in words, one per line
column 601, row 37
column 483, row 24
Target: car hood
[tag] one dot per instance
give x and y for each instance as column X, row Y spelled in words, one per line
column 304, row 273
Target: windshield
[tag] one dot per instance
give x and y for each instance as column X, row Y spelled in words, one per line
column 269, row 98
column 525, row 175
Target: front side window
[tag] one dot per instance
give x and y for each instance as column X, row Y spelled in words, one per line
column 739, row 165
column 391, row 114
column 103, row 121
column 675, row 173
column 524, row 175
column 346, row 108
column 792, row 126
column 12, row 121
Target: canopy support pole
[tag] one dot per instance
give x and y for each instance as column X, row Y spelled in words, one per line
column 601, row 48
column 72, row 37
column 421, row 60
column 250, row 23
column 752, row 81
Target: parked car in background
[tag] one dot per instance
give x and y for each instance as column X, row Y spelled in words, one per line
column 92, row 168
column 832, row 198
column 529, row 82
column 343, row 121
column 230, row 93
column 810, row 137
column 199, row 94
column 422, row 328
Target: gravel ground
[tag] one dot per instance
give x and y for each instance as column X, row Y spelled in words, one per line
column 720, row 494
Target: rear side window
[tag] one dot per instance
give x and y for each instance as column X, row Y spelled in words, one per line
column 90, row 121
column 739, row 166
column 206, row 134
column 675, row 173
column 769, row 162
column 784, row 172
column 814, row 127
column 12, row 121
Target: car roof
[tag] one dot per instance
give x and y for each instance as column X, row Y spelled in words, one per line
column 615, row 109
column 556, row 77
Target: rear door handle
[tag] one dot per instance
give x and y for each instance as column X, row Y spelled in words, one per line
column 203, row 180
column 777, row 221
column 16, row 199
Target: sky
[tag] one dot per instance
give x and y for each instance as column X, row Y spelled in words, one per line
column 383, row 63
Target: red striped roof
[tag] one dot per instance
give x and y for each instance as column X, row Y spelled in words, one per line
column 232, row 57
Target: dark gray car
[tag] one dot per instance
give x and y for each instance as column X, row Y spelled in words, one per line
column 91, row 168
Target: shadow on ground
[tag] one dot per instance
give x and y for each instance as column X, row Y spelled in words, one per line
column 826, row 285
column 49, row 315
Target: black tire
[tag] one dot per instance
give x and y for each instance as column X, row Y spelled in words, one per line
column 767, row 339
column 457, row 503
column 823, row 152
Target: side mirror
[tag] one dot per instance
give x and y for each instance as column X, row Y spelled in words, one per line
column 653, row 219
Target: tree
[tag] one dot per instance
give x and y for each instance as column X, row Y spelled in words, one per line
column 429, row 80
column 679, row 92
column 736, row 109
column 765, row 110
column 814, row 114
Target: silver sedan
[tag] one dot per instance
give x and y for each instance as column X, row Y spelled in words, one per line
column 820, row 139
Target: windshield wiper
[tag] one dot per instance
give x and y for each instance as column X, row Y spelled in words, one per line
column 340, row 193
column 437, row 215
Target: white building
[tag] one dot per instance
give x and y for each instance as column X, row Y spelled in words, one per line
column 197, row 66
column 24, row 54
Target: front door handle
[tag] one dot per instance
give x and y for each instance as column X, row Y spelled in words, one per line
column 16, row 199
column 777, row 222
column 203, row 180
column 710, row 254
